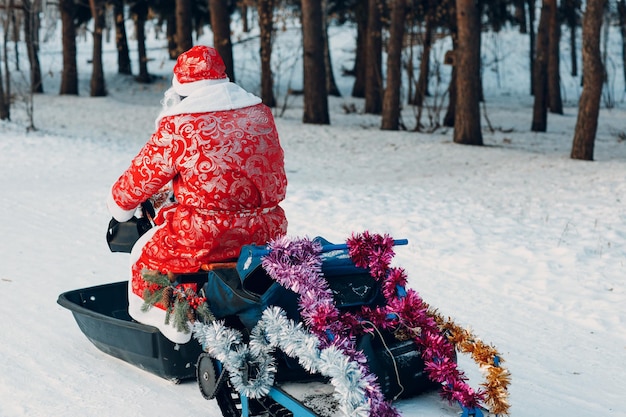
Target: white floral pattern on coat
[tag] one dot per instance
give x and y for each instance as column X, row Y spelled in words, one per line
column 227, row 173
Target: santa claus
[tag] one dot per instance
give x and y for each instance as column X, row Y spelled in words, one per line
column 218, row 147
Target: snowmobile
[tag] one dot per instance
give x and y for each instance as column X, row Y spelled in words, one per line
column 258, row 374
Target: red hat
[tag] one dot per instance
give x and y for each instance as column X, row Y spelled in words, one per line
column 198, row 64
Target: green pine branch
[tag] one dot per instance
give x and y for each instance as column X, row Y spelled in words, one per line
column 178, row 311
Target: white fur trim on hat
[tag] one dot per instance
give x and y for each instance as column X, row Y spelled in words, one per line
column 186, row 89
column 153, row 316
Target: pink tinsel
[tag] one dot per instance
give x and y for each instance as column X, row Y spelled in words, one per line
column 375, row 252
column 318, row 309
column 296, row 264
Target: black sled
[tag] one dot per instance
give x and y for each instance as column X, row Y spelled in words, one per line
column 101, row 314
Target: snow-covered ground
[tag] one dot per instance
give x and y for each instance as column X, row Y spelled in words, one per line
column 514, row 239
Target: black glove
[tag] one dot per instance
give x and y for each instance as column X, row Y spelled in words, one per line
column 148, row 210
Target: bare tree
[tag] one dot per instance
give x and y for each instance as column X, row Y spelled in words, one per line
column 315, row 96
column 266, row 26
column 593, row 71
column 555, row 103
column 373, row 59
column 97, row 85
column 391, row 97
column 467, row 128
column 540, row 87
column 220, row 23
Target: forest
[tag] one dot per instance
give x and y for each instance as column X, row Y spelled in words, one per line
column 513, row 238
column 393, row 61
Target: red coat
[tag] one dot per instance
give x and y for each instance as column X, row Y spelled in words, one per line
column 228, row 177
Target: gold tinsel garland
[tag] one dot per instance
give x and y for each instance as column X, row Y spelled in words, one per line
column 487, row 357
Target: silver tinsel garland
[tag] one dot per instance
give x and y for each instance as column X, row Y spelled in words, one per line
column 275, row 330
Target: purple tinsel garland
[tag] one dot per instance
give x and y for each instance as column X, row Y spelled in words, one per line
column 296, row 264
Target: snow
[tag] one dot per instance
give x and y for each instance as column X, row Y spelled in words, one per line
column 514, row 239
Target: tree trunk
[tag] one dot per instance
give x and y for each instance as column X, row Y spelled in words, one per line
column 360, row 13
column 481, row 95
column 391, row 98
column 373, row 63
column 555, row 103
column 593, row 71
column 573, row 56
column 266, row 26
column 170, row 31
column 220, row 23
column 244, row 17
column 448, row 119
column 15, row 35
column 121, row 40
column 540, row 89
column 520, row 15
column 5, row 111
column 410, row 33
column 331, row 84
column 5, row 108
column 315, row 96
column 467, row 128
column 69, row 74
column 421, row 89
column 570, row 15
column 621, row 11
column 31, row 26
column 532, row 40
column 98, row 88
column 184, row 40
column 604, row 38
column 140, row 11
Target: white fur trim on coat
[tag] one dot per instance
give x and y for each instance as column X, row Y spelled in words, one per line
column 154, row 316
column 214, row 95
column 116, row 211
